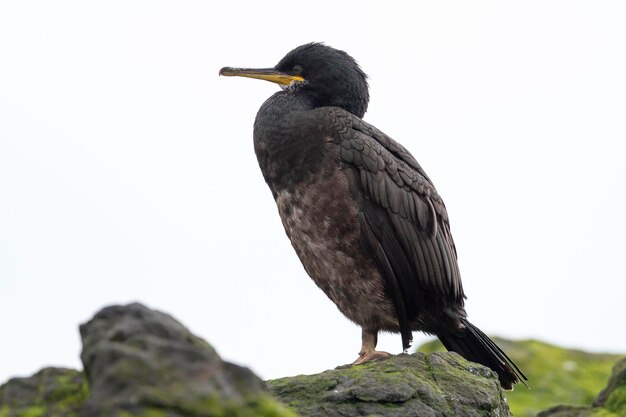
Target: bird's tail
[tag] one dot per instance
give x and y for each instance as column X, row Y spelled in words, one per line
column 476, row 346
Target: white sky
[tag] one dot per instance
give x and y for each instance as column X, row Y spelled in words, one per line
column 127, row 170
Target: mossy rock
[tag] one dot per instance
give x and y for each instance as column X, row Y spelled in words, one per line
column 58, row 392
column 556, row 375
column 51, row 392
column 143, row 363
column 441, row 384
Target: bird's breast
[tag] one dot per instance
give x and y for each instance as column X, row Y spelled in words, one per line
column 320, row 217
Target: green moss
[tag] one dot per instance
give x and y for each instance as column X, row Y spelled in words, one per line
column 268, row 407
column 309, row 389
column 601, row 412
column 262, row 406
column 556, row 375
column 70, row 392
column 55, row 392
column 150, row 412
column 410, row 383
column 617, row 401
column 431, row 347
column 35, row 411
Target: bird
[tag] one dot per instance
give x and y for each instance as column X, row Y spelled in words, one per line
column 364, row 218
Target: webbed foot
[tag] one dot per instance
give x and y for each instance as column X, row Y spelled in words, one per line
column 373, row 355
column 368, row 348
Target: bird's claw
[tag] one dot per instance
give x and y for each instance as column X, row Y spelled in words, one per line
column 371, row 356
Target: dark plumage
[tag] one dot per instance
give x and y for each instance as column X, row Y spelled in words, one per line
column 363, row 216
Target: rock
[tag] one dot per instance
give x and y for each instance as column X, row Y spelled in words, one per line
column 611, row 402
column 440, row 384
column 143, row 363
column 57, row 392
column 140, row 362
column 556, row 375
column 615, row 391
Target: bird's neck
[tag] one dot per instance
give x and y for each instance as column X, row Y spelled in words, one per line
column 288, row 147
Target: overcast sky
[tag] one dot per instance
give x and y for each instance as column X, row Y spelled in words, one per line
column 127, row 171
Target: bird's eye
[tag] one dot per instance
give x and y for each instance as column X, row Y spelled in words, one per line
column 297, row 69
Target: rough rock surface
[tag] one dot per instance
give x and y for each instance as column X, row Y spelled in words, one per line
column 144, row 362
column 140, row 362
column 611, row 402
column 440, row 384
column 615, row 391
column 50, row 392
column 557, row 375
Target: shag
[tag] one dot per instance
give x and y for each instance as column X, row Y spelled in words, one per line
column 364, row 218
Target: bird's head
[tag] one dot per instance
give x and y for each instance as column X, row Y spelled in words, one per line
column 328, row 76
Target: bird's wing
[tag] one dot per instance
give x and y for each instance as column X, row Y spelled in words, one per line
column 404, row 221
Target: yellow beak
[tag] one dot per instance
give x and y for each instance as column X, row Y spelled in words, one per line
column 268, row 74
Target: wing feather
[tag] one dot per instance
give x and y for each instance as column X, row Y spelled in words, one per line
column 405, row 223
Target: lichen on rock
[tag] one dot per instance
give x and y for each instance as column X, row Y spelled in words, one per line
column 440, row 384
column 57, row 392
column 141, row 362
column 556, row 375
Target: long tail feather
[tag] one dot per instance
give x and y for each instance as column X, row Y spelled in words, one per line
column 476, row 346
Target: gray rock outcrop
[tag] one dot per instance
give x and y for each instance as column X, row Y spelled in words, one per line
column 141, row 362
column 439, row 384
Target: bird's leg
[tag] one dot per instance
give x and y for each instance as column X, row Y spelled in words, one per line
column 368, row 348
